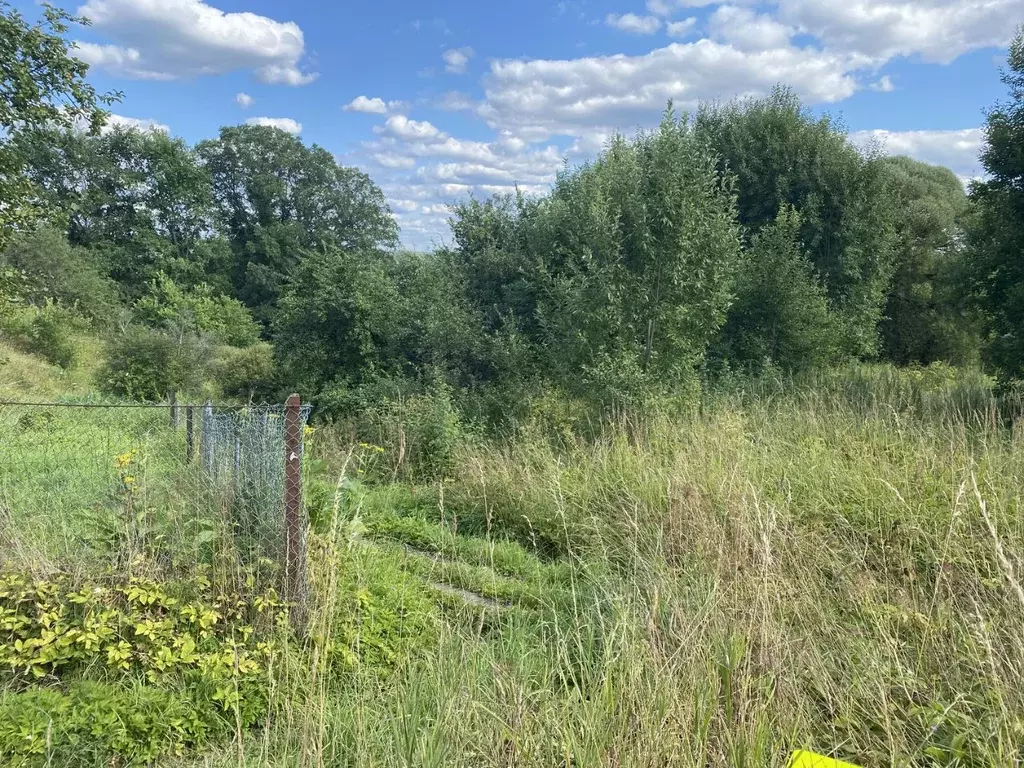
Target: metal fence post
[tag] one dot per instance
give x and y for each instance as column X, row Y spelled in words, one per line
column 206, row 439
column 174, row 409
column 294, row 518
column 190, row 444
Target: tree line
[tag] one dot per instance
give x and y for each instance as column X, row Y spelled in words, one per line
column 744, row 236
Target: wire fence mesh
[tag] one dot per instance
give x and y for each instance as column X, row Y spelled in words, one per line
column 163, row 489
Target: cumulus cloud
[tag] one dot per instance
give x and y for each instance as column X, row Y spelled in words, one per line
column 957, row 149
column 244, row 100
column 173, row 39
column 637, row 25
column 393, row 160
column 284, row 123
column 374, row 106
column 401, row 127
column 937, row 30
column 457, row 59
column 681, row 28
column 746, row 30
column 571, row 96
column 135, row 123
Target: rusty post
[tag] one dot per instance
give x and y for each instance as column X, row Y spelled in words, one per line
column 174, row 409
column 294, row 518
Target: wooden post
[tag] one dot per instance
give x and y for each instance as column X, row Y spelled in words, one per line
column 174, row 409
column 206, row 439
column 294, row 519
column 190, row 445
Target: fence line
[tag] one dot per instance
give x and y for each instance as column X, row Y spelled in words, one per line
column 124, row 484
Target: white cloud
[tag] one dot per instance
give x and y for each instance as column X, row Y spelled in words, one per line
column 573, row 96
column 938, row 30
column 883, row 84
column 172, row 39
column 135, row 123
column 746, row 30
column 244, row 100
column 957, row 150
column 454, row 101
column 374, row 106
column 456, row 60
column 392, row 160
column 637, row 25
column 401, row 127
column 681, row 28
column 284, row 123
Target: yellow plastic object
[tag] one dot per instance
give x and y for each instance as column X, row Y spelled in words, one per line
column 802, row 759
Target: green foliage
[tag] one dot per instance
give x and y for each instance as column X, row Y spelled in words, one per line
column 781, row 156
column 781, row 315
column 147, row 364
column 278, row 199
column 203, row 657
column 924, row 319
column 139, row 199
column 42, row 330
column 41, row 84
column 995, row 227
column 54, row 269
column 196, row 311
column 248, row 373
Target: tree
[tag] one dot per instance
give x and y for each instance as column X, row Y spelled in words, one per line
column 140, row 198
column 924, row 321
column 41, row 84
column 995, row 225
column 53, row 269
column 781, row 156
column 279, row 200
column 781, row 315
column 640, row 250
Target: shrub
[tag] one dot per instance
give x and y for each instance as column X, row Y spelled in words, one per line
column 44, row 331
column 197, row 311
column 248, row 373
column 147, row 364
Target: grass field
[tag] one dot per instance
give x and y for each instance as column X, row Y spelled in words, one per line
column 832, row 565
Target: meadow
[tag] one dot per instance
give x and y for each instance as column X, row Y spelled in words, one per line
column 828, row 563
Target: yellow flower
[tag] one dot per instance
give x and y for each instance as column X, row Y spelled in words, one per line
column 308, row 430
column 124, row 459
column 129, row 479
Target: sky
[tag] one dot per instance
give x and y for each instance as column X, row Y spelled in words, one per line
column 437, row 101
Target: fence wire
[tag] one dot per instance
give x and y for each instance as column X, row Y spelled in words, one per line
column 162, row 488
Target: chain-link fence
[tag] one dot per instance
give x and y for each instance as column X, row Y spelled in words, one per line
column 164, row 488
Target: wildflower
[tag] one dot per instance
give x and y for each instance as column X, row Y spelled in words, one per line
column 124, row 459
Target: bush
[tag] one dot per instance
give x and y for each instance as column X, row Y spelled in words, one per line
column 44, row 331
column 52, row 269
column 147, row 364
column 248, row 373
column 197, row 311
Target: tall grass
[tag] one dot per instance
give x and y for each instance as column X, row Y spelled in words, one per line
column 795, row 568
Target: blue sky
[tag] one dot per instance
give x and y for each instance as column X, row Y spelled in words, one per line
column 440, row 100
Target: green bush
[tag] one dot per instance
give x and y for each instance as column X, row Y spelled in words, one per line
column 147, row 364
column 248, row 373
column 197, row 311
column 44, row 331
